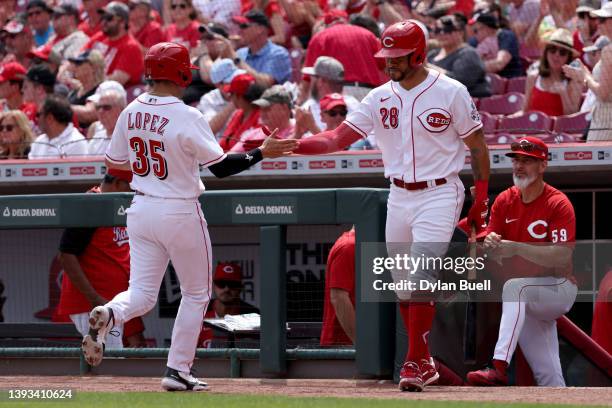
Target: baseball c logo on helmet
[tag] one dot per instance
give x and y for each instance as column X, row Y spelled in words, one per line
column 401, row 39
column 388, row 42
column 169, row 61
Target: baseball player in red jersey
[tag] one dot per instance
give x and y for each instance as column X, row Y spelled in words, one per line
column 422, row 119
column 96, row 264
column 163, row 142
column 531, row 212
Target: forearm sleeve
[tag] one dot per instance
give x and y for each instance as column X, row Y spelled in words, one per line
column 328, row 141
column 235, row 163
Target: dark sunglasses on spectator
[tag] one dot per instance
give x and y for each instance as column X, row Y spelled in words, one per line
column 445, row 29
column 34, row 13
column 334, row 113
column 228, row 284
column 243, row 26
column 561, row 51
column 175, row 6
column 7, row 128
column 584, row 14
column 107, row 17
column 525, row 146
column 602, row 20
column 105, row 108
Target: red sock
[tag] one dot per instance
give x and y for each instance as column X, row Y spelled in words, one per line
column 500, row 366
column 420, row 320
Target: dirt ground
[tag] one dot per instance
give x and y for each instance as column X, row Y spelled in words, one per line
column 328, row 388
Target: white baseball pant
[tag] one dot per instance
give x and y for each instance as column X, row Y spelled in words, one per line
column 529, row 313
column 422, row 222
column 161, row 230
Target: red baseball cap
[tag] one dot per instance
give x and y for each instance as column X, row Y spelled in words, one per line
column 334, row 15
column 529, row 146
column 12, row 71
column 330, row 101
column 239, row 85
column 120, row 174
column 228, row 271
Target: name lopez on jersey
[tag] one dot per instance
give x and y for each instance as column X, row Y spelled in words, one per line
column 146, row 121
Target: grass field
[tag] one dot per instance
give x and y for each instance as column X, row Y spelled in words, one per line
column 189, row 400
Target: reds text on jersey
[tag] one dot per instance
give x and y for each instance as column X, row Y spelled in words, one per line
column 165, row 141
column 420, row 130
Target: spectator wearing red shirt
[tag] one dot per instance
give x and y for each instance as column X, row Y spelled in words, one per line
column 18, row 41
column 586, row 32
column 92, row 20
column 354, row 47
column 96, row 263
column 122, row 53
column 276, row 113
column 227, row 286
column 12, row 76
column 184, row 28
column 339, row 303
column 243, row 92
column 143, row 27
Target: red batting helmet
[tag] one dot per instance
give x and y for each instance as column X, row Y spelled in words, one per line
column 403, row 38
column 169, row 61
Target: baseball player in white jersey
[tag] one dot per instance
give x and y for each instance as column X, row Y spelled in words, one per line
column 163, row 142
column 421, row 119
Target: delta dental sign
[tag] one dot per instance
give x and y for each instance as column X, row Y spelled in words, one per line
column 264, row 210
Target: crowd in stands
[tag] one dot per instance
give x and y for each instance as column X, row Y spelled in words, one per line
column 68, row 67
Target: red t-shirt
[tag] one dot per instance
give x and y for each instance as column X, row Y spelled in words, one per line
column 339, row 274
column 29, row 109
column 602, row 315
column 106, row 263
column 549, row 218
column 122, row 54
column 236, row 127
column 150, row 34
column 548, row 102
column 187, row 36
column 90, row 30
column 354, row 47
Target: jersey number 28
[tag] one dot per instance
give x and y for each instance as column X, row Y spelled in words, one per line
column 389, row 117
column 142, row 165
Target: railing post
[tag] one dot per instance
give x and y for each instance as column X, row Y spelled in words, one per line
column 273, row 295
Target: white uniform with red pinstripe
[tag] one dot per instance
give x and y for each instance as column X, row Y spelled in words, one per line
column 165, row 141
column 420, row 133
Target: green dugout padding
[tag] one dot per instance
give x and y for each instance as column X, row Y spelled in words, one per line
column 273, row 210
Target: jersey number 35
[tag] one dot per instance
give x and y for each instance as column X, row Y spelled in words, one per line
column 147, row 153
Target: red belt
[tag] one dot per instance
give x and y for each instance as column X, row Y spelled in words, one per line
column 419, row 185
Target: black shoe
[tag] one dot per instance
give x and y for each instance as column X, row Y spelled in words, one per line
column 177, row 381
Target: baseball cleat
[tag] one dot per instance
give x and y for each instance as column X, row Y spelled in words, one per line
column 175, row 380
column 410, row 378
column 101, row 321
column 488, row 377
column 429, row 374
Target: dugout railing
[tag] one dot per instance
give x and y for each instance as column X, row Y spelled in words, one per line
column 273, row 211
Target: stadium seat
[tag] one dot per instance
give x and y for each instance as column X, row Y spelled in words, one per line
column 500, row 138
column 532, row 122
column 560, row 138
column 506, row 104
column 498, row 83
column 489, row 122
column 517, row 84
column 134, row 91
column 574, row 124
